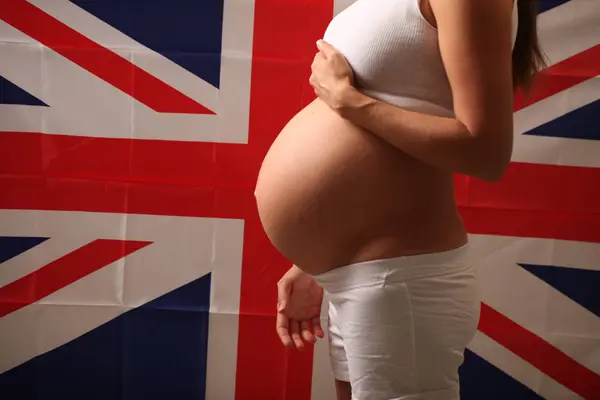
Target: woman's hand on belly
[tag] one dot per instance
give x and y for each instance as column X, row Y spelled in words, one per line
column 298, row 309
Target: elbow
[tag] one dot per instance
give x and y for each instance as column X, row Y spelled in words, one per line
column 490, row 159
column 492, row 171
column 487, row 171
column 490, row 165
column 492, row 176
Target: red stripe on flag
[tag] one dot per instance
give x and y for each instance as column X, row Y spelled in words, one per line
column 536, row 187
column 94, row 195
column 97, row 59
column 203, row 168
column 544, row 225
column 539, row 353
column 64, row 271
column 159, row 161
column 562, row 76
column 534, row 200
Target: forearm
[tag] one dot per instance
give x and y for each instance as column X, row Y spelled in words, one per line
column 445, row 143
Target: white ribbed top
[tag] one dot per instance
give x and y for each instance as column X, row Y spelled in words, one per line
column 394, row 53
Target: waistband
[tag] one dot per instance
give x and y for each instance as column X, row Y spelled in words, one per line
column 398, row 269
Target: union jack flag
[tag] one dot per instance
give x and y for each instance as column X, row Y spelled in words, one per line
column 132, row 261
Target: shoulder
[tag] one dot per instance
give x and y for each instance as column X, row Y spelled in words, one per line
column 472, row 8
column 475, row 17
column 475, row 39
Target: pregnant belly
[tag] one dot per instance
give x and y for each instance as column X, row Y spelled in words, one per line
column 327, row 189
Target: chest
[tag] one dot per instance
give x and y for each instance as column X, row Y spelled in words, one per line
column 384, row 40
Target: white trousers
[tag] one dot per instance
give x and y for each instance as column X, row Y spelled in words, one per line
column 398, row 327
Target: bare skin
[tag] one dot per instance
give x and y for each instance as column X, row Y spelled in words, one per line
column 351, row 178
column 331, row 194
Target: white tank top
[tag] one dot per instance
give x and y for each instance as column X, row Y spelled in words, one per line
column 394, row 53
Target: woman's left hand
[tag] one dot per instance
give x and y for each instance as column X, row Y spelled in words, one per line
column 331, row 75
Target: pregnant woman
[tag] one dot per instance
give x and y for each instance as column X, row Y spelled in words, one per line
column 357, row 190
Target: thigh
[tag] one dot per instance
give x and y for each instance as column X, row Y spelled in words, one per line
column 378, row 337
column 337, row 352
column 445, row 317
column 342, row 390
column 408, row 338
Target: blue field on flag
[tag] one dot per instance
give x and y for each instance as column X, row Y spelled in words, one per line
column 577, row 124
column 13, row 94
column 481, row 380
column 189, row 33
column 12, row 246
column 154, row 352
column 580, row 285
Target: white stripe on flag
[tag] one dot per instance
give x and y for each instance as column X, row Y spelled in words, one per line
column 80, row 103
column 183, row 249
column 231, row 102
column 556, row 150
column 519, row 369
column 100, row 32
column 569, row 29
column 531, row 302
column 226, row 283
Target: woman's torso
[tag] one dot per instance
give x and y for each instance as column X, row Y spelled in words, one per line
column 330, row 193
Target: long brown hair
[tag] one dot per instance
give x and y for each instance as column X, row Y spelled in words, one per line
column 528, row 57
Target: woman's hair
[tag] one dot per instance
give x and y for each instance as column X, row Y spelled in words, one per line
column 528, row 57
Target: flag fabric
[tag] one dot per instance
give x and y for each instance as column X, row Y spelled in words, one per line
column 132, row 261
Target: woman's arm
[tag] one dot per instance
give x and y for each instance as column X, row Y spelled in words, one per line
column 476, row 48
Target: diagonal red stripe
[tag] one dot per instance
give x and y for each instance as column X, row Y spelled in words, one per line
column 539, row 353
column 64, row 271
column 561, row 76
column 97, row 59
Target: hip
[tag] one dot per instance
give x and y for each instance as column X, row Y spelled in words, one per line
column 399, row 327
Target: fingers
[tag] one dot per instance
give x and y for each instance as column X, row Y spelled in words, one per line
column 325, row 48
column 284, row 289
column 295, row 332
column 317, row 329
column 319, row 58
column 315, row 85
column 283, row 331
column 312, row 81
column 306, row 332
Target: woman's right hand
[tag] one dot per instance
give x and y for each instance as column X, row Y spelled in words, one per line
column 298, row 309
